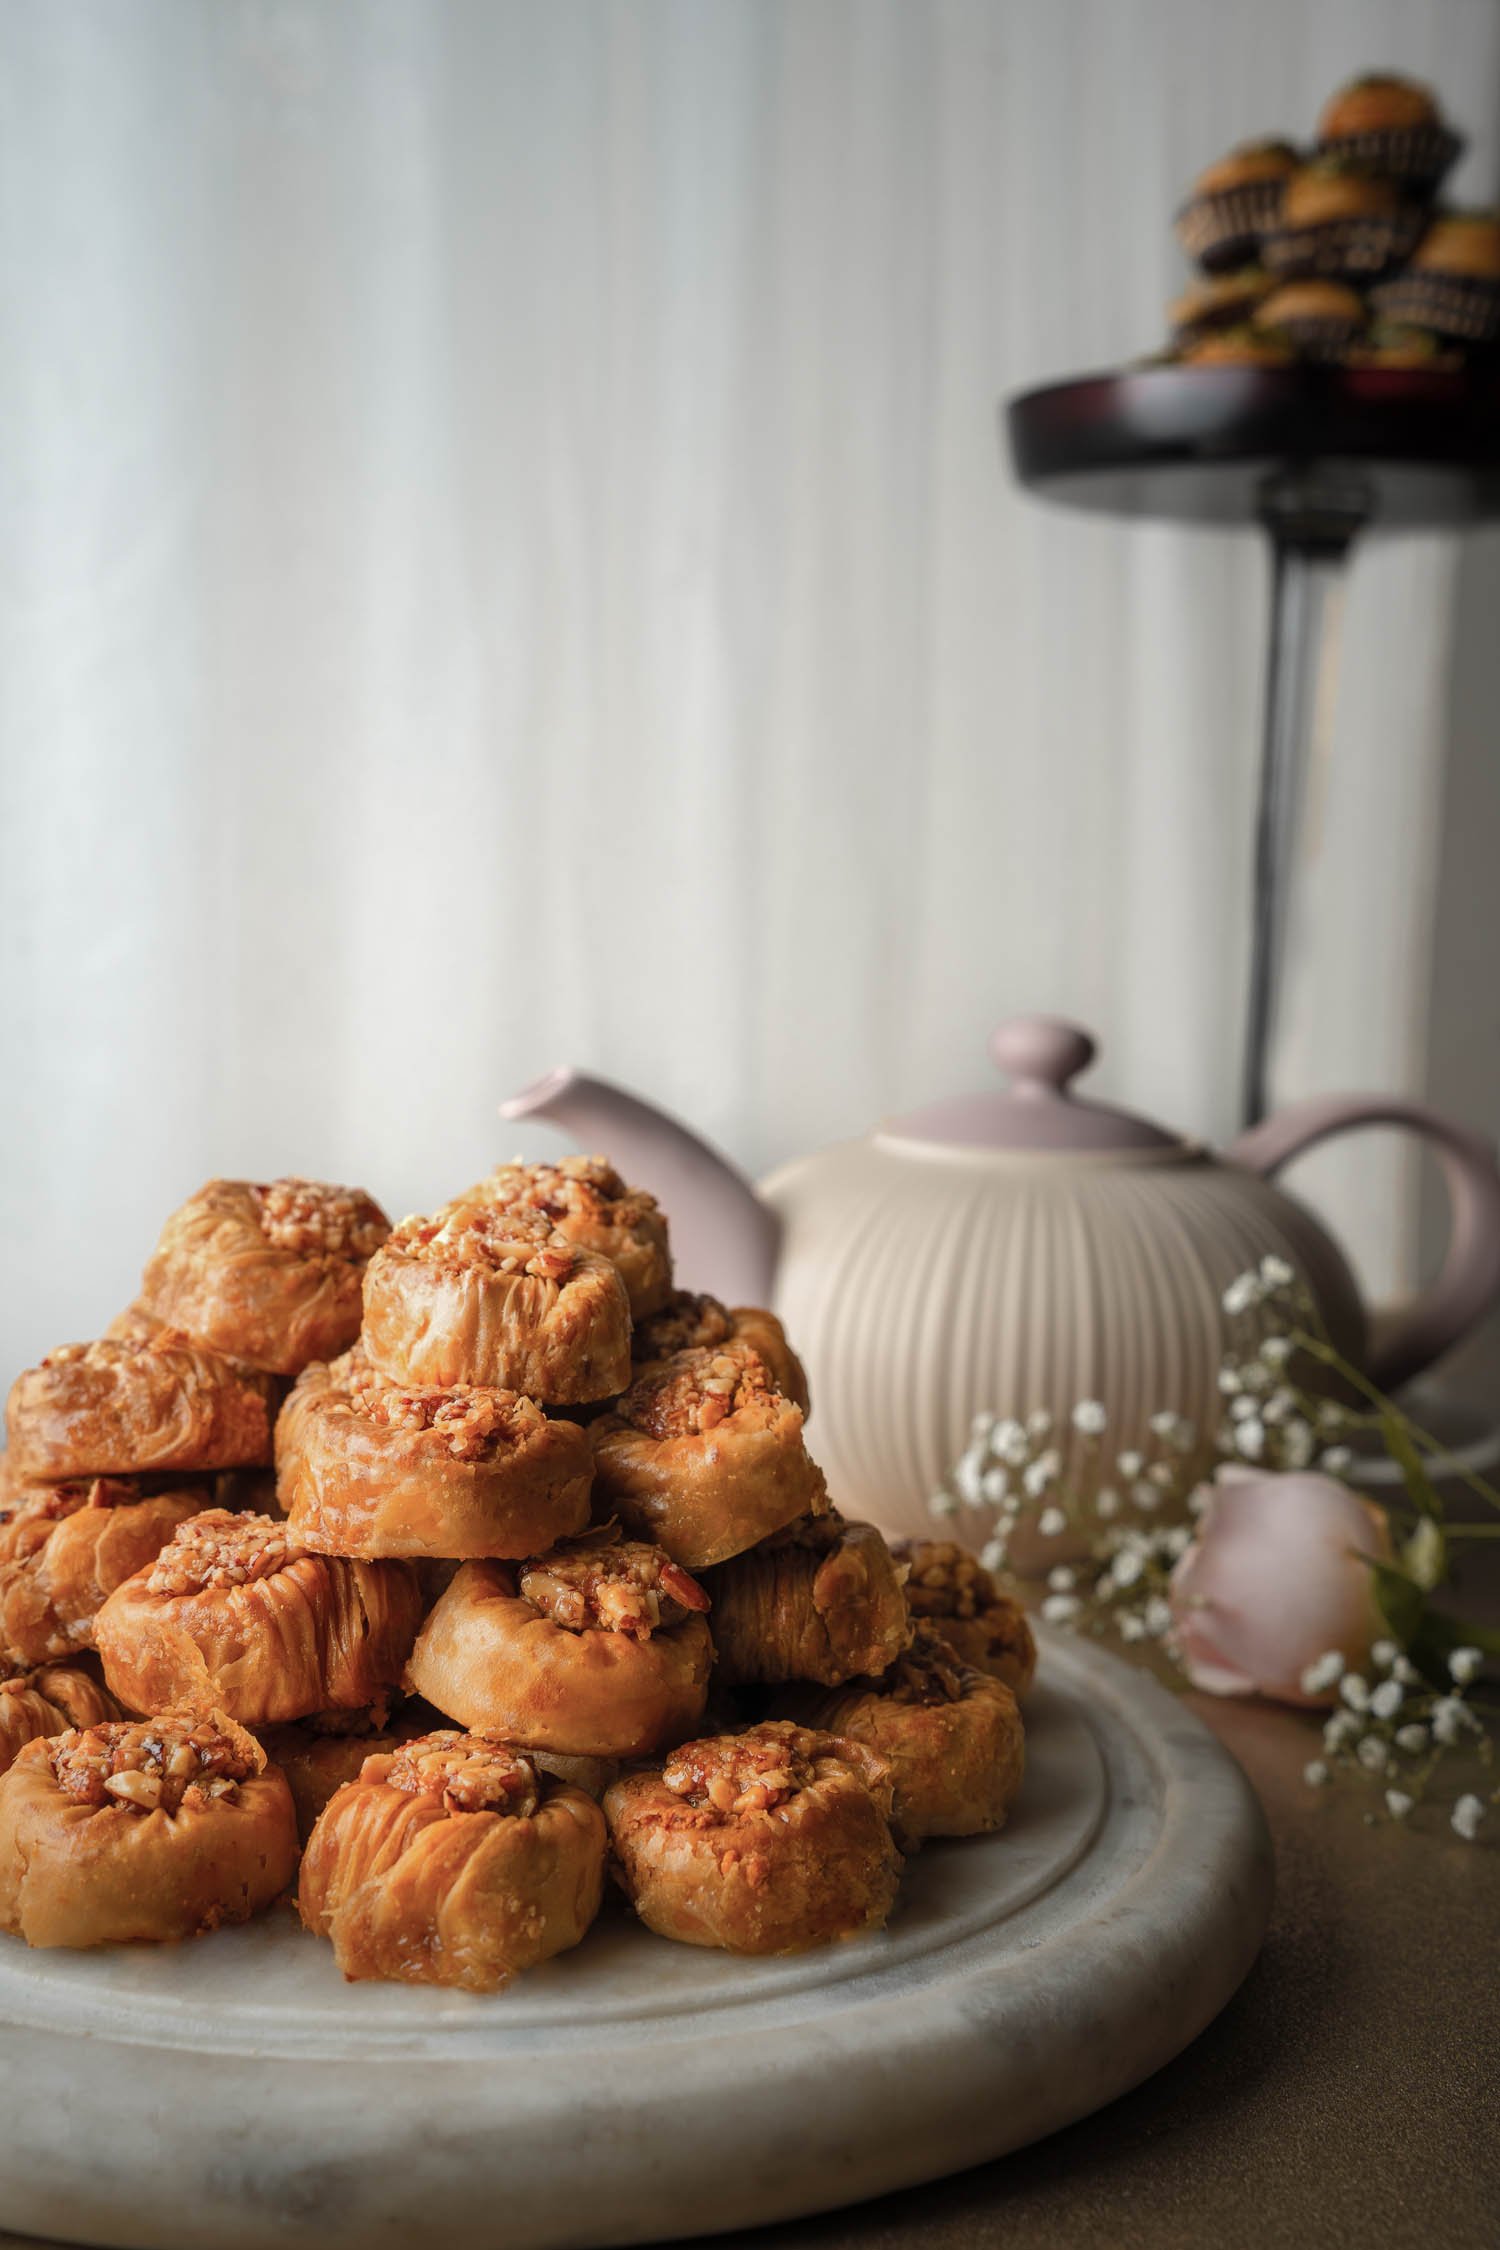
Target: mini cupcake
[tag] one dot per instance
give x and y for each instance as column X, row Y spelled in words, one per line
column 1237, row 347
column 1222, row 301
column 1341, row 223
column 1235, row 203
column 1386, row 344
column 1319, row 318
column 1453, row 282
column 1392, row 127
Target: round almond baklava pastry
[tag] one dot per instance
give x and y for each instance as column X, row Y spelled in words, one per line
column 949, row 1587
column 116, row 1409
column 142, row 1829
column 597, row 1649
column 588, row 1203
column 268, row 1273
column 64, row 1548
column 704, row 1455
column 770, row 1841
column 1393, row 126
column 693, row 1321
column 479, row 1294
column 951, row 1735
column 318, row 1755
column 235, row 1615
column 452, row 1861
column 822, row 1601
column 370, row 1467
column 49, row 1701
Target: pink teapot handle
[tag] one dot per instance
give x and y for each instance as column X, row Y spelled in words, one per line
column 1470, row 1279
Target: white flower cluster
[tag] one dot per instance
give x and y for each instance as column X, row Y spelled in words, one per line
column 1041, row 1471
column 1268, row 1419
column 1396, row 1730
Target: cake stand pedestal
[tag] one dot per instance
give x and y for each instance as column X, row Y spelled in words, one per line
column 1312, row 456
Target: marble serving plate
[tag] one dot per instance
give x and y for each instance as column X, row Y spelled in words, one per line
column 233, row 2093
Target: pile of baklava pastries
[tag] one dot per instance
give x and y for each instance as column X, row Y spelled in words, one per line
column 441, row 1572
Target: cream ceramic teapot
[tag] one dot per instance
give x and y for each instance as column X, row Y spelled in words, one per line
column 1021, row 1249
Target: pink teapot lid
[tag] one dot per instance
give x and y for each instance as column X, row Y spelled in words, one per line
column 1040, row 1055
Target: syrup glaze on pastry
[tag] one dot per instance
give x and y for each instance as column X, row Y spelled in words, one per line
column 988, row 1629
column 705, row 1455
column 235, row 1615
column 49, row 1701
column 599, row 1649
column 452, row 1861
column 769, row 1841
column 588, row 1203
column 481, row 1294
column 821, row 1600
column 370, row 1467
column 64, row 1548
column 952, row 1736
column 141, row 1829
column 692, row 1321
column 116, row 1408
column 269, row 1273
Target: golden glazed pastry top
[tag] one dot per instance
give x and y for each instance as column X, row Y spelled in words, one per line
column 1461, row 242
column 368, row 1466
column 589, row 1204
column 114, row 1408
column 1377, row 103
column 1321, row 193
column 1247, row 166
column 270, row 1272
column 479, row 1293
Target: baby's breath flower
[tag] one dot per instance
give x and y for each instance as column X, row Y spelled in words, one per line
column 1250, row 1439
column 1467, row 1815
column 1463, row 1664
column 1451, row 1720
column 1328, row 1670
column 1242, row 1293
column 1413, row 1739
column 1372, row 1753
column 1406, row 1672
column 1279, row 1405
column 981, row 1426
column 1158, row 1615
column 1132, row 1625
column 1315, row 1773
column 1009, row 1442
column 1276, row 1271
column 1340, row 1730
column 1243, row 1410
column 1052, row 1523
column 1040, row 1474
column 1057, row 1609
column 1126, row 1568
column 1062, row 1580
column 1130, row 1465
column 1107, row 1502
column 1383, row 1655
column 1275, row 1351
column 1163, row 1474
column 942, row 1504
column 1229, row 1381
column 966, row 1478
column 1386, row 1700
column 994, row 1484
column 1355, row 1690
column 1089, row 1417
column 993, row 1554
column 1146, row 1496
column 1398, row 1804
column 1336, row 1460
column 1176, row 1540
column 1039, row 1422
column 1298, row 1444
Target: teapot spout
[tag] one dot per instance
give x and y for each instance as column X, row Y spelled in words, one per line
column 723, row 1237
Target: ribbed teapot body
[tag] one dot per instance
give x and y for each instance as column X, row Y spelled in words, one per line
column 925, row 1285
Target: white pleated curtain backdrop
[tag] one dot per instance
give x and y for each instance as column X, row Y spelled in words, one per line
column 505, row 558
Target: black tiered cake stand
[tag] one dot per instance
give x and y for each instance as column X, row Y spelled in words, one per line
column 1311, row 455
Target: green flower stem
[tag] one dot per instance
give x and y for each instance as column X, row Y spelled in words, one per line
column 1336, row 1360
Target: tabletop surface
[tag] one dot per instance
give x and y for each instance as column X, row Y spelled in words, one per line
column 1346, row 2097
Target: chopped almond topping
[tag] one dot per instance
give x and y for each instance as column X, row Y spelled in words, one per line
column 608, row 1584
column 155, row 1764
column 470, row 1419
column 755, row 1771
column 483, row 1234
column 687, row 1322
column 697, row 1391
column 311, row 1218
column 218, row 1549
column 470, row 1772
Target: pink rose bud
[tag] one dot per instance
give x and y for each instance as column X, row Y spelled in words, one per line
column 1275, row 1579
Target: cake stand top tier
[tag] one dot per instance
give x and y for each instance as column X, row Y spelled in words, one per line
column 1415, row 449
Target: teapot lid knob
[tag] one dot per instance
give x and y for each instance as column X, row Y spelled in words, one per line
column 1041, row 1054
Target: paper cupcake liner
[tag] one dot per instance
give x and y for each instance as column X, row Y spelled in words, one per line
column 1451, row 304
column 1323, row 340
column 1345, row 248
column 1224, row 230
column 1418, row 156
